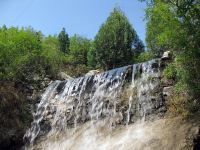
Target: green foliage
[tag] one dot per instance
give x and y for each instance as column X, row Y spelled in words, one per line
column 27, row 56
column 181, row 102
column 75, row 63
column 79, row 47
column 91, row 56
column 170, row 71
column 114, row 41
column 63, row 41
column 144, row 56
column 161, row 27
column 138, row 47
column 174, row 25
column 17, row 46
column 76, row 70
column 52, row 56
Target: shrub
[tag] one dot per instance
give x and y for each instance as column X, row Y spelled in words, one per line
column 145, row 56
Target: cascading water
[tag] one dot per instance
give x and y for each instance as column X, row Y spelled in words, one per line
column 114, row 98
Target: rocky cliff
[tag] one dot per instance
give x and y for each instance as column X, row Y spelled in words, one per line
column 120, row 96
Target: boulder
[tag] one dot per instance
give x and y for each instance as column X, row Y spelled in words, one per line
column 92, row 72
column 166, row 55
column 63, row 76
column 167, row 82
column 167, row 91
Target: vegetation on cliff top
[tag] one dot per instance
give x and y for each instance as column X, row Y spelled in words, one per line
column 27, row 55
column 175, row 25
column 116, row 42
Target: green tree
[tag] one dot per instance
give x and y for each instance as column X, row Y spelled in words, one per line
column 161, row 26
column 63, row 41
column 27, row 56
column 91, row 56
column 79, row 47
column 137, row 48
column 17, row 46
column 114, row 41
column 174, row 25
column 53, row 57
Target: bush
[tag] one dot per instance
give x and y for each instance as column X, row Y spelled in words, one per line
column 170, row 71
column 75, row 70
column 184, row 100
column 145, row 56
column 27, row 55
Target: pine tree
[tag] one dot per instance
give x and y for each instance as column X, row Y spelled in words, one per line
column 63, row 41
column 114, row 41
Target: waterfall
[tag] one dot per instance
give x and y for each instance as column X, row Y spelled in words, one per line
column 118, row 97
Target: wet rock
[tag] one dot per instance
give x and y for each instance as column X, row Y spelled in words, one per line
column 122, row 96
column 49, row 117
column 61, row 86
column 155, row 65
column 117, row 118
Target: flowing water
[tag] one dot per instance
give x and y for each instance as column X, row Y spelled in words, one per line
column 99, row 111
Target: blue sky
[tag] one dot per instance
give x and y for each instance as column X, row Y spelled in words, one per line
column 78, row 16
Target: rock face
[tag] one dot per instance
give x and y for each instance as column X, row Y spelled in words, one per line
column 122, row 96
column 15, row 115
column 196, row 140
column 17, row 101
column 119, row 109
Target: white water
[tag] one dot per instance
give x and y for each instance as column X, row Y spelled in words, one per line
column 84, row 113
column 162, row 134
